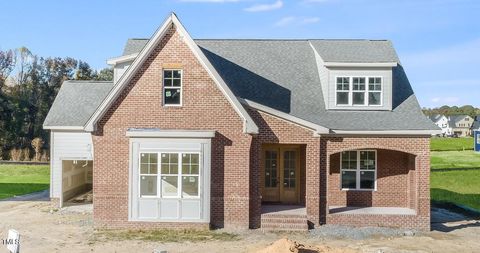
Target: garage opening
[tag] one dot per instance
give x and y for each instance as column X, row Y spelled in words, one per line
column 77, row 182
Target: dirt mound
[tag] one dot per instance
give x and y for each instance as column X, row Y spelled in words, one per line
column 288, row 246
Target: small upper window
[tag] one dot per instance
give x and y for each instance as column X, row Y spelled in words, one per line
column 343, row 88
column 374, row 90
column 354, row 91
column 172, row 87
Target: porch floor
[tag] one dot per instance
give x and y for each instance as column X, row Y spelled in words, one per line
column 284, row 209
column 371, row 210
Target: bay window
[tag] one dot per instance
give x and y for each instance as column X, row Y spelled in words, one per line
column 358, row 169
column 169, row 175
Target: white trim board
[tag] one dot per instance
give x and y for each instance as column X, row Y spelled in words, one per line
column 160, row 133
column 249, row 125
column 361, row 64
column 387, row 132
column 317, row 128
column 120, row 59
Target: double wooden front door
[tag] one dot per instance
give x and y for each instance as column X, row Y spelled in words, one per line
column 281, row 174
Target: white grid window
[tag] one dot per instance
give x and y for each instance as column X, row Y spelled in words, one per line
column 358, row 169
column 374, row 91
column 358, row 93
column 172, row 87
column 170, row 175
column 343, row 90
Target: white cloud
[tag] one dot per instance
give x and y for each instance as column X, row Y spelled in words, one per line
column 296, row 20
column 311, row 20
column 265, row 7
column 285, row 21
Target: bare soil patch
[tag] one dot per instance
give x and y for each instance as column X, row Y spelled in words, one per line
column 44, row 229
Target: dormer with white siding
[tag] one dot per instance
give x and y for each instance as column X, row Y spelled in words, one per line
column 356, row 74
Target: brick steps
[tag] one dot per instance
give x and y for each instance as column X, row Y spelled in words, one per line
column 284, row 222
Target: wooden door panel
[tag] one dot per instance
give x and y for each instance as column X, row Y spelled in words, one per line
column 271, row 184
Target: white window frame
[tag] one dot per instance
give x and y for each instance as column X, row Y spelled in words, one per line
column 172, row 87
column 357, row 170
column 366, row 91
column 349, row 91
column 179, row 175
column 140, row 176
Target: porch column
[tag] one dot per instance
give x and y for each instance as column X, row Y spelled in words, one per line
column 313, row 181
column 422, row 169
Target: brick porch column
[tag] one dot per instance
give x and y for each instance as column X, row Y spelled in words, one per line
column 313, row 181
column 422, row 168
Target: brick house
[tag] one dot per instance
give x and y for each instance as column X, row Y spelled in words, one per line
column 278, row 134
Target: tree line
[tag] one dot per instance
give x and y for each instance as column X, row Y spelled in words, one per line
column 453, row 110
column 28, row 87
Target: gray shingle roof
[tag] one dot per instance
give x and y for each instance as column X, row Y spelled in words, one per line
column 134, row 46
column 355, row 50
column 454, row 119
column 331, row 50
column 282, row 74
column 76, row 102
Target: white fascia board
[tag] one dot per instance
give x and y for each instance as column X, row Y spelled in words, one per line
column 361, row 64
column 249, row 125
column 388, row 132
column 76, row 128
column 318, row 130
column 145, row 133
column 121, row 59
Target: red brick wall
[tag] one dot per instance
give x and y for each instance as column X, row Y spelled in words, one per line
column 204, row 107
column 392, row 183
column 235, row 195
column 416, row 153
column 273, row 130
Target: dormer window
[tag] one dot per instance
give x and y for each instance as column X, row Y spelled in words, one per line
column 172, row 87
column 374, row 91
column 354, row 91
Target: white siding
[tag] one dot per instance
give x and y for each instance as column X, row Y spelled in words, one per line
column 323, row 75
column 67, row 146
column 119, row 69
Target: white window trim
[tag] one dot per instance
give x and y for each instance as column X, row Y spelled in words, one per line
column 357, row 170
column 179, row 176
column 172, row 87
column 351, row 91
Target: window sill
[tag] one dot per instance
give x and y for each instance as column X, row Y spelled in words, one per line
column 358, row 190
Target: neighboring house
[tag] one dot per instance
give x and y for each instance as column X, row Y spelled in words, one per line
column 442, row 122
column 461, row 125
column 199, row 133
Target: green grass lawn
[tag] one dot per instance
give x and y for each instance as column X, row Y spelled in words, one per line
column 455, row 176
column 22, row 179
column 451, row 144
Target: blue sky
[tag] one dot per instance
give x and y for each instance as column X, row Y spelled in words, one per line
column 438, row 41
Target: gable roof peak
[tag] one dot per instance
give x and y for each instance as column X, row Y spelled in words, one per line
column 249, row 125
